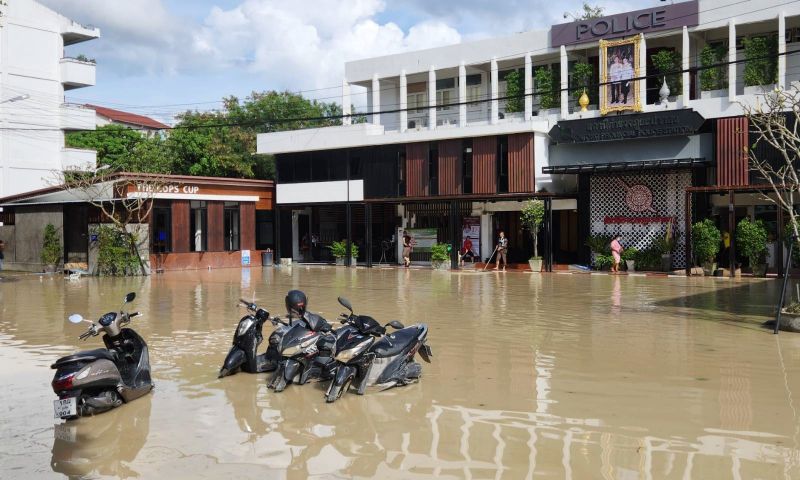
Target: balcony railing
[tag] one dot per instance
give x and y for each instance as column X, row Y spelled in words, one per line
column 77, row 73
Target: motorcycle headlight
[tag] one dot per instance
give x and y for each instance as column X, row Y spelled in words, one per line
column 295, row 349
column 349, row 354
column 244, row 326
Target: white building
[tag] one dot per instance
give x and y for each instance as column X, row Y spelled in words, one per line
column 35, row 72
column 439, row 137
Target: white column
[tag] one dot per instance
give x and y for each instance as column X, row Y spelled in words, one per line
column 494, row 107
column 403, row 101
column 642, row 69
column 376, row 100
column 564, row 82
column 685, row 67
column 346, row 103
column 732, row 59
column 432, row 98
column 528, row 86
column 462, row 95
column 782, row 50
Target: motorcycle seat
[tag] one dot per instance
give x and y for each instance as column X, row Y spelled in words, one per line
column 85, row 356
column 394, row 343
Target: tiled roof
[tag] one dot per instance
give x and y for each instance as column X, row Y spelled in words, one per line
column 129, row 118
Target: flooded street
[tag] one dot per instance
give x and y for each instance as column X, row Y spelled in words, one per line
column 533, row 376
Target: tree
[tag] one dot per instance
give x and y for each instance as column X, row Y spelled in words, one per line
column 514, row 93
column 532, row 216
column 587, row 12
column 113, row 143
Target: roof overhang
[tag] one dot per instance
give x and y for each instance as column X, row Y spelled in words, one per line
column 626, row 166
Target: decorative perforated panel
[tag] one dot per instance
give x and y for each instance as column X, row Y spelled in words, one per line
column 640, row 206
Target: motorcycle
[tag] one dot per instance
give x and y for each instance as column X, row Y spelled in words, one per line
column 95, row 381
column 306, row 348
column 243, row 354
column 365, row 355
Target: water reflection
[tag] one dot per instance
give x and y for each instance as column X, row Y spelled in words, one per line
column 104, row 445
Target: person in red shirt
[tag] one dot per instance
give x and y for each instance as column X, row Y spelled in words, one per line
column 466, row 252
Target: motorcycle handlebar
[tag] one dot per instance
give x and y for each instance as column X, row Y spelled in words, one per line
column 134, row 314
column 250, row 306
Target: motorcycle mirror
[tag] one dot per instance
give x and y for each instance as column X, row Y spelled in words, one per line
column 75, row 318
column 129, row 297
column 396, row 325
column 346, row 303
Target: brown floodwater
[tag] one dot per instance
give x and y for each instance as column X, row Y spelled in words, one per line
column 533, row 376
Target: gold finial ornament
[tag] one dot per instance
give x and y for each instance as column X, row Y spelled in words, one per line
column 583, row 101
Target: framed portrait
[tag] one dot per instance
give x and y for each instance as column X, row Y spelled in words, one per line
column 619, row 66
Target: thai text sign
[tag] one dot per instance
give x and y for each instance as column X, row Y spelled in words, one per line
column 628, row 127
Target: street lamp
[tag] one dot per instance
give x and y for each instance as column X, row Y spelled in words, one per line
column 17, row 98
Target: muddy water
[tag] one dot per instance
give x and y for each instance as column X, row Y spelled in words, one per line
column 555, row 376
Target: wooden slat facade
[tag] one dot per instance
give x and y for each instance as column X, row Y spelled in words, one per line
column 732, row 161
column 450, row 164
column 216, row 227
column 521, row 163
column 484, row 165
column 180, row 226
column 247, row 226
column 417, row 176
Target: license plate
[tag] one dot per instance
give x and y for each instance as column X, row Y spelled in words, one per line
column 65, row 432
column 65, row 407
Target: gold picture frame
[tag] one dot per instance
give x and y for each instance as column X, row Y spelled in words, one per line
column 619, row 65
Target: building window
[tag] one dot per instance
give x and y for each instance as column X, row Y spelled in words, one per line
column 198, row 226
column 502, row 164
column 417, row 102
column 466, row 166
column 475, row 91
column 231, row 214
column 265, row 229
column 433, row 170
column 162, row 229
column 445, row 93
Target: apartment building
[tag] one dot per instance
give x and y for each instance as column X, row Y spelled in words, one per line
column 629, row 124
column 35, row 72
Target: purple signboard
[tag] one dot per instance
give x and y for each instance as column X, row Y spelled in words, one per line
column 655, row 19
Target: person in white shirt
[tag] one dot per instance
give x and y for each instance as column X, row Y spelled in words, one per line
column 625, row 77
column 613, row 78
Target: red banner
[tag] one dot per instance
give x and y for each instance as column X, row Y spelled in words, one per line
column 637, row 220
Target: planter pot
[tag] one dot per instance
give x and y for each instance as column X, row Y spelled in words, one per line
column 758, row 89
column 631, row 265
column 440, row 265
column 535, row 264
column 340, row 261
column 760, row 270
column 666, row 262
column 790, row 322
column 49, row 269
column 353, row 261
column 714, row 94
column 709, row 268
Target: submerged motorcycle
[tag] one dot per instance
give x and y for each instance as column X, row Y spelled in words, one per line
column 366, row 355
column 306, row 348
column 95, row 381
column 243, row 354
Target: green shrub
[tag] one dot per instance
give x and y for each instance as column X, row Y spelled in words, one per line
column 514, row 92
column 116, row 255
column 668, row 64
column 713, row 78
column 603, row 261
column 532, row 216
column 599, row 244
column 751, row 241
column 648, row 259
column 52, row 251
column 630, row 254
column 581, row 76
column 761, row 61
column 440, row 252
column 546, row 89
column 339, row 249
column 788, row 231
column 705, row 240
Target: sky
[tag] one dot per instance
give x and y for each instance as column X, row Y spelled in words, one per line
column 160, row 57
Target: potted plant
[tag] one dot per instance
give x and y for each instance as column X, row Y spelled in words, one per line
column 514, row 92
column 440, row 256
column 339, row 252
column 532, row 216
column 668, row 65
column 545, row 88
column 751, row 242
column 713, row 77
column 761, row 64
column 600, row 246
column 52, row 252
column 629, row 256
column 665, row 245
column 706, row 240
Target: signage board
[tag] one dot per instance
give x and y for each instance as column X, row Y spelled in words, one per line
column 422, row 239
column 628, row 127
column 471, row 229
column 663, row 17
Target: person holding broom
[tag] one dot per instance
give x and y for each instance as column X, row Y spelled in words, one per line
column 502, row 249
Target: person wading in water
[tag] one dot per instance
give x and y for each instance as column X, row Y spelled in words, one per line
column 502, row 248
column 616, row 253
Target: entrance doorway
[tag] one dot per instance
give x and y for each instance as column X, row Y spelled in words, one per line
column 565, row 237
column 520, row 243
column 76, row 226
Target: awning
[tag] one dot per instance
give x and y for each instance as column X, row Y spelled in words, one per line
column 626, row 166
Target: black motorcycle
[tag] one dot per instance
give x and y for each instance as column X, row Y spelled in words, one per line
column 366, row 355
column 243, row 354
column 306, row 348
column 95, row 381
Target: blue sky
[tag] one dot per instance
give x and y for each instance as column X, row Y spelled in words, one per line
column 159, row 57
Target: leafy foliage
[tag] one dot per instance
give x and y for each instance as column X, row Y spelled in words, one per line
column 713, row 78
column 587, row 12
column 751, row 240
column 668, row 64
column 648, row 259
column 599, row 244
column 514, row 92
column 603, row 261
column 581, row 76
column 629, row 254
column 761, row 61
column 52, row 252
column 339, row 249
column 440, row 253
column 116, row 257
column 532, row 216
column 706, row 240
column 545, row 87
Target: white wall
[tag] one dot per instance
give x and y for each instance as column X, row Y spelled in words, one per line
column 31, row 139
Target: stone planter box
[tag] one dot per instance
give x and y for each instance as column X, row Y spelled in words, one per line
column 790, row 322
column 444, row 266
column 758, row 89
column 631, row 265
column 760, row 270
column 340, row 261
column 709, row 268
column 535, row 264
column 714, row 94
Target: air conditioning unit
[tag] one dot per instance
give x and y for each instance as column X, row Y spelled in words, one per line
column 412, row 124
